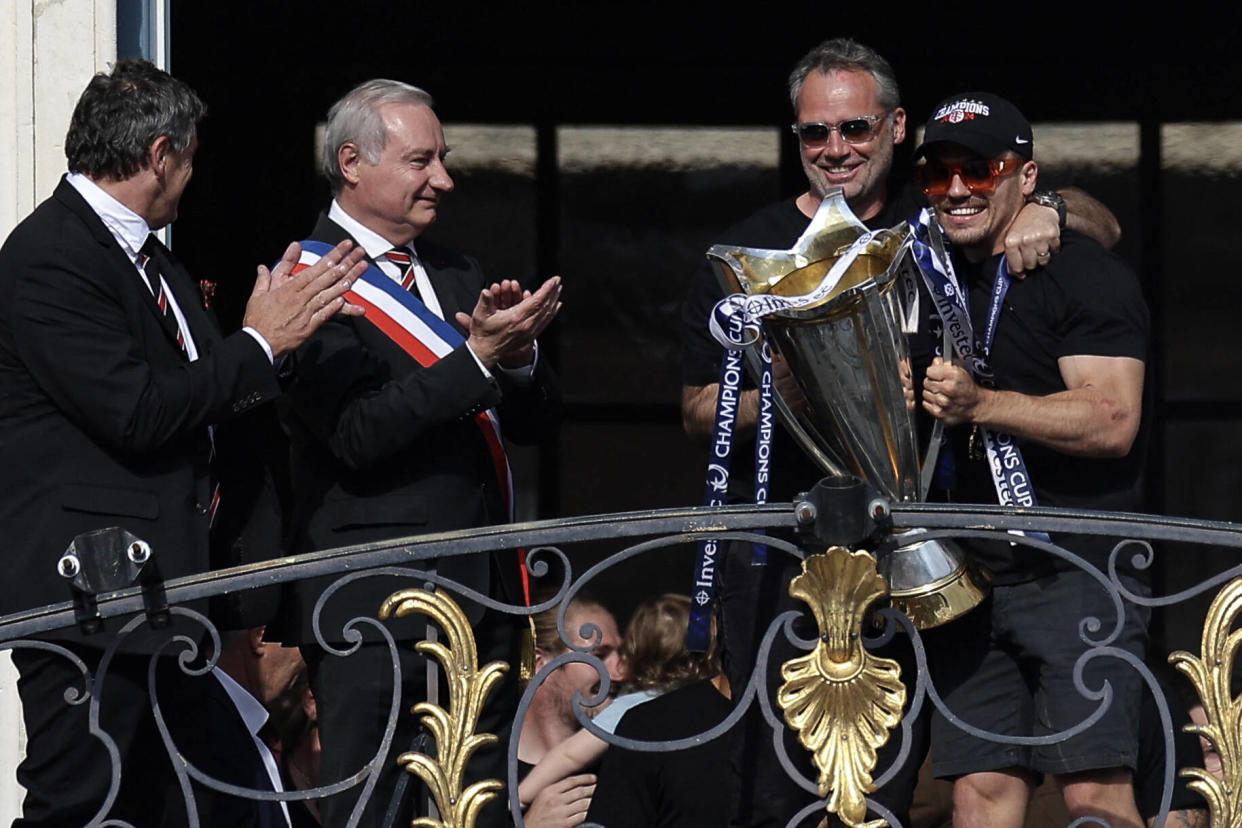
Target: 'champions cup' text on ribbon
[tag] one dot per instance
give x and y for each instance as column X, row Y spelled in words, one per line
column 738, row 335
column 698, row 633
column 1009, row 474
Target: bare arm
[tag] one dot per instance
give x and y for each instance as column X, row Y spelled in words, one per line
column 698, row 411
column 562, row 804
column 698, row 403
column 1085, row 215
column 1035, row 233
column 568, row 757
column 1096, row 416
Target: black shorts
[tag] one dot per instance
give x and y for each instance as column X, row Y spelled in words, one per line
column 1008, row 668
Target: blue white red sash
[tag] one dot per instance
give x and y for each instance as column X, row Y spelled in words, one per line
column 403, row 318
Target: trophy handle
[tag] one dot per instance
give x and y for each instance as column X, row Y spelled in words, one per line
column 929, row 459
column 937, row 435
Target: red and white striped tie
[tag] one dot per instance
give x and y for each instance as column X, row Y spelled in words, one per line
column 161, row 298
column 147, row 263
column 401, row 257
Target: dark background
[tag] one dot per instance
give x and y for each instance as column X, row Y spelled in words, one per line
column 626, row 238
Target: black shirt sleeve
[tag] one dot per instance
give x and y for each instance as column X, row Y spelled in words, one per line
column 1104, row 313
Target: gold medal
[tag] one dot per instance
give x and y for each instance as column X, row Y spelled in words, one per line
column 526, row 651
column 975, row 447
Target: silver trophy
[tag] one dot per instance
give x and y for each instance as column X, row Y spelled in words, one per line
column 837, row 306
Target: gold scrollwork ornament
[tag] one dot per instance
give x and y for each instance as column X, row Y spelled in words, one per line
column 453, row 729
column 842, row 701
column 1211, row 674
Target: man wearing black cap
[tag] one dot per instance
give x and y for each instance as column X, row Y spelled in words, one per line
column 849, row 123
column 1059, row 423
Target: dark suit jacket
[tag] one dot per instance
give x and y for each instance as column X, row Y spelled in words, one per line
column 228, row 754
column 384, row 448
column 103, row 421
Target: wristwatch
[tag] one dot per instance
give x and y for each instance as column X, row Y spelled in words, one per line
column 1053, row 199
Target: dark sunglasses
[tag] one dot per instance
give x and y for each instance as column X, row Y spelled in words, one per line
column 978, row 176
column 854, row 131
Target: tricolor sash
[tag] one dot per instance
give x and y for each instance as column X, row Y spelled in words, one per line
column 403, row 318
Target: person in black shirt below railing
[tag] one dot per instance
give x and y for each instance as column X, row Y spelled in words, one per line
column 640, row 789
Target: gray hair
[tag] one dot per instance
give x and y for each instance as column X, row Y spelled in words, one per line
column 845, row 55
column 355, row 119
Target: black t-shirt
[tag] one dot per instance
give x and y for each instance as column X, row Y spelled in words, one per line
column 1084, row 302
column 775, row 227
column 679, row 788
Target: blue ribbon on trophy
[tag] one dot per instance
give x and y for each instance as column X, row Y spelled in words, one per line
column 730, row 328
column 733, row 331
column 763, row 443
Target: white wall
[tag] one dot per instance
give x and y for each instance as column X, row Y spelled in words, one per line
column 48, row 51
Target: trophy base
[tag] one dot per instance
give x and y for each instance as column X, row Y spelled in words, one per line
column 932, row 581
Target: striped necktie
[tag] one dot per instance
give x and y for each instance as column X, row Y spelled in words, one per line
column 147, row 262
column 400, row 256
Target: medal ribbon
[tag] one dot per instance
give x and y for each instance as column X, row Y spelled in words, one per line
column 1009, row 475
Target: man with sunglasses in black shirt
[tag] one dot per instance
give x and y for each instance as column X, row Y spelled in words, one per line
column 848, row 122
column 1060, row 416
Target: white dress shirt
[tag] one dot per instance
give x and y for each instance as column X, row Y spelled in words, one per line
column 131, row 231
column 254, row 716
column 376, row 246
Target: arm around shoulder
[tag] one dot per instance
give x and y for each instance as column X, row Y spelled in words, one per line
column 1086, row 215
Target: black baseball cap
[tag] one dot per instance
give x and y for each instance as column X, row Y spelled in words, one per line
column 979, row 121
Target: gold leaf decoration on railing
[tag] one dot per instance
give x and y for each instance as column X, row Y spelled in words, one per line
column 453, row 729
column 842, row 701
column 1211, row 674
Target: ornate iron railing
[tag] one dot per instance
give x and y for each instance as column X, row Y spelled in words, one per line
column 551, row 546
